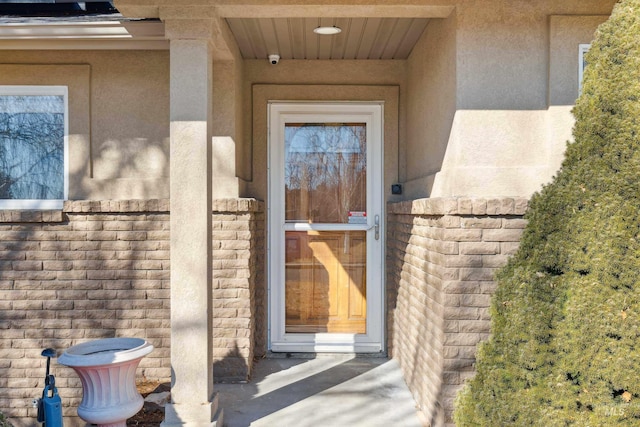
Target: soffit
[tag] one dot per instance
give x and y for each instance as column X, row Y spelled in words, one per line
column 293, row 38
column 373, row 31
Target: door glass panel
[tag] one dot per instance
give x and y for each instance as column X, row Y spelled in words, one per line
column 325, row 278
column 325, row 172
column 325, row 271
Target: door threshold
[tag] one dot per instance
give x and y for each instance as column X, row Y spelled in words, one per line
column 311, row 355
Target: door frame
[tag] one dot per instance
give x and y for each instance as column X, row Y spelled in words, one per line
column 371, row 113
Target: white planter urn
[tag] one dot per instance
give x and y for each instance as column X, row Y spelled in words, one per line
column 107, row 369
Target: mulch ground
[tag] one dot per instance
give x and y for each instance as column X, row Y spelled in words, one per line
column 151, row 415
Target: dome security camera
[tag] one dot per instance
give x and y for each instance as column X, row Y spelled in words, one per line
column 274, row 59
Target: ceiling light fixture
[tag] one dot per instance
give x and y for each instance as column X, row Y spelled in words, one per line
column 327, row 31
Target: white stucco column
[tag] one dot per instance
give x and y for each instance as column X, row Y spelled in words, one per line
column 193, row 402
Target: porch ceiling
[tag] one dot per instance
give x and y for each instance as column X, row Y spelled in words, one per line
column 293, row 38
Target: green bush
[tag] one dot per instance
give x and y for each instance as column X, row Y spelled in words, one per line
column 565, row 347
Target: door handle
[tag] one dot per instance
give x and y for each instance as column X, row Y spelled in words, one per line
column 376, row 226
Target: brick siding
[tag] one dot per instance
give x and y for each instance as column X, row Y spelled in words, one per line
column 442, row 255
column 100, row 269
column 238, row 283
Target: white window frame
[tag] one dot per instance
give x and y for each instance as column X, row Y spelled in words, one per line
column 583, row 48
column 63, row 91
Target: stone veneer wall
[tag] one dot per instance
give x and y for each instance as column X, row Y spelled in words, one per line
column 238, row 281
column 442, row 255
column 100, row 269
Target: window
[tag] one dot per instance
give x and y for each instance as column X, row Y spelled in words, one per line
column 33, row 147
column 582, row 63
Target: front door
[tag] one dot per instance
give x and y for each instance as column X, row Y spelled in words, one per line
column 325, row 227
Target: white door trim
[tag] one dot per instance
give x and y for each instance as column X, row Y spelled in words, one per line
column 370, row 113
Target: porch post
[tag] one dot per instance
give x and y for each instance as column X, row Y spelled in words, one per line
column 193, row 401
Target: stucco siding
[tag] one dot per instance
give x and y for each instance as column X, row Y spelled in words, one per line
column 431, row 103
column 119, row 116
column 516, row 79
column 390, row 94
column 491, row 56
column 503, row 50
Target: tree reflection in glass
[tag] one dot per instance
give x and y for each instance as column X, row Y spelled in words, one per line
column 325, row 171
column 325, row 271
column 32, row 132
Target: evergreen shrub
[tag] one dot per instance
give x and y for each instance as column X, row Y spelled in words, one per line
column 565, row 342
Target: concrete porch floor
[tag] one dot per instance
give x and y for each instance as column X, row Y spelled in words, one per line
column 334, row 390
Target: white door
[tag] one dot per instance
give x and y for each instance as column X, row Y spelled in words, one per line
column 325, row 227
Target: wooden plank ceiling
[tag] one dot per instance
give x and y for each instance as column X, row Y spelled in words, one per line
column 293, row 38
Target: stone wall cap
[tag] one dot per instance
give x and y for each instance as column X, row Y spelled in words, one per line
column 461, row 206
column 30, row 216
column 237, row 205
column 116, row 206
column 154, row 205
